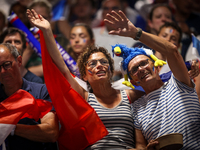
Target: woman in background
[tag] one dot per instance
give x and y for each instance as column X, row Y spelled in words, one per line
column 81, row 36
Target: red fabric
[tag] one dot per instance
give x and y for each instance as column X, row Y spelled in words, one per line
column 81, row 126
column 22, row 104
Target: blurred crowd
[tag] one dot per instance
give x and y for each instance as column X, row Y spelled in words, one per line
column 77, row 25
column 149, row 15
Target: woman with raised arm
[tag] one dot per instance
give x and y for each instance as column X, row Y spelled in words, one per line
column 96, row 68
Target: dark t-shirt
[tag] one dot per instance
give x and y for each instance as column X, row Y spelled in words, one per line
column 32, row 77
column 39, row 91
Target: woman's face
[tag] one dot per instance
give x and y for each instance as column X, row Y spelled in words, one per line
column 83, row 9
column 97, row 68
column 79, row 39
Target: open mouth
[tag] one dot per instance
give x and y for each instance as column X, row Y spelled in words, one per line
column 144, row 75
column 101, row 72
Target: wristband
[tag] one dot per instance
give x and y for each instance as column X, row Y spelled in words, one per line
column 13, row 131
column 138, row 34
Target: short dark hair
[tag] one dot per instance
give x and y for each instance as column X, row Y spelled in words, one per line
column 11, row 31
column 83, row 58
column 156, row 6
column 174, row 26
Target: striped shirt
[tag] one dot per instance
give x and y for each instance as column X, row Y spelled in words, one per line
column 173, row 108
column 118, row 121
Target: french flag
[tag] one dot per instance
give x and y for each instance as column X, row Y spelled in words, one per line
column 80, row 125
column 20, row 105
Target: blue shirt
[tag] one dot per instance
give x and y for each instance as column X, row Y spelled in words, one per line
column 32, row 77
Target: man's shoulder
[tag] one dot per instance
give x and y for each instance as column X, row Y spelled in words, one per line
column 32, row 77
column 38, row 90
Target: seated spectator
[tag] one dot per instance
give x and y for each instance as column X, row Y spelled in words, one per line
column 81, row 36
column 28, row 133
column 20, row 11
column 17, row 38
column 167, row 107
column 172, row 33
column 158, row 15
column 83, row 11
column 43, row 7
column 188, row 21
column 132, row 14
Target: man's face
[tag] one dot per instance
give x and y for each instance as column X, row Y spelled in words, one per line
column 15, row 39
column 43, row 12
column 110, row 5
column 83, row 9
column 9, row 74
column 159, row 17
column 170, row 34
column 140, row 69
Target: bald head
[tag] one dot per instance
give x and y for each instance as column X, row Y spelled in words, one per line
column 9, row 47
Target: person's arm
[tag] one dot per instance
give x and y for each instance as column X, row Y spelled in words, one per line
column 134, row 94
column 122, row 26
column 37, row 70
column 47, row 131
column 197, row 84
column 44, row 26
column 140, row 140
column 160, row 56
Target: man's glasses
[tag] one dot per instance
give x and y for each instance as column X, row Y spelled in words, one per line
column 92, row 63
column 143, row 64
column 6, row 65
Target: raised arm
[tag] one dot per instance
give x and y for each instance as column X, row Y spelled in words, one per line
column 38, row 21
column 123, row 27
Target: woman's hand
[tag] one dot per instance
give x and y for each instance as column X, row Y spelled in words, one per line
column 37, row 20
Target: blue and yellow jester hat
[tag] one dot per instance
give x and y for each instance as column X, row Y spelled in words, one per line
column 129, row 53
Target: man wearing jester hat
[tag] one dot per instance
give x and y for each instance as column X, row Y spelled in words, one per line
column 168, row 107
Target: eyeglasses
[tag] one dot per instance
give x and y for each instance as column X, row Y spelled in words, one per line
column 6, row 65
column 92, row 63
column 143, row 64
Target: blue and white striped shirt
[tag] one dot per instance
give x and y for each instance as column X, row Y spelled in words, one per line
column 119, row 123
column 173, row 108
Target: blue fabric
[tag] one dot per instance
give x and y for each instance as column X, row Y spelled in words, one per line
column 141, row 23
column 128, row 53
column 39, row 91
column 196, row 43
column 58, row 9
